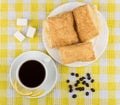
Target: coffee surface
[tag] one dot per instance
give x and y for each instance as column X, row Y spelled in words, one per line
column 32, row 73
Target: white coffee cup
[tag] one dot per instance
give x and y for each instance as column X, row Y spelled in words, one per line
column 41, row 84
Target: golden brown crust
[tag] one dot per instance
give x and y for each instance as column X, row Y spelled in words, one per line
column 79, row 52
column 60, row 30
column 86, row 21
column 97, row 18
column 46, row 33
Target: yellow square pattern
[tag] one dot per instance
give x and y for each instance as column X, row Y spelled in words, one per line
column 19, row 7
column 105, row 71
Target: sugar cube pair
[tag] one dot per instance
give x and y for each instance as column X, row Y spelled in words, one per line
column 30, row 32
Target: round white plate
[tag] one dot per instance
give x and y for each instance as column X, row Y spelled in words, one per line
column 99, row 43
column 43, row 58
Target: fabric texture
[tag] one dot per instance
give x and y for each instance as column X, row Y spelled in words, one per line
column 105, row 71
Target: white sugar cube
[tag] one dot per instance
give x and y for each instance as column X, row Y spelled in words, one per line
column 22, row 22
column 31, row 32
column 19, row 36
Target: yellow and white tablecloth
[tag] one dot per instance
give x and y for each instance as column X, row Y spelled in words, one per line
column 105, row 71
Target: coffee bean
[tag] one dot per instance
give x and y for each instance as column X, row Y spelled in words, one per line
column 89, row 78
column 92, row 80
column 87, row 93
column 77, row 75
column 76, row 88
column 83, row 77
column 82, row 88
column 74, row 96
column 68, row 81
column 70, row 90
column 79, row 88
column 80, row 79
column 93, row 90
column 72, row 74
column 88, row 74
column 70, row 86
column 84, row 82
column 87, row 85
column 76, row 84
column 77, row 81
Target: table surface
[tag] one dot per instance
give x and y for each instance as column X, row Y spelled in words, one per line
column 105, row 71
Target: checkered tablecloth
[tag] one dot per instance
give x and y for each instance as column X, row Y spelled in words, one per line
column 105, row 71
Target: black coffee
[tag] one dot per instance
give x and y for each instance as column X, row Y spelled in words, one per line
column 32, row 73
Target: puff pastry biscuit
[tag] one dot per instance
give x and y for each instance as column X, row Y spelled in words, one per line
column 87, row 22
column 79, row 52
column 60, row 30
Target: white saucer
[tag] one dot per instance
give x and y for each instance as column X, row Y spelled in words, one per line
column 49, row 64
column 99, row 43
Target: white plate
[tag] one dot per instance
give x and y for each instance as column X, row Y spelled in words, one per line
column 99, row 43
column 36, row 55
